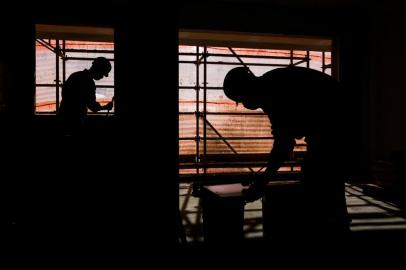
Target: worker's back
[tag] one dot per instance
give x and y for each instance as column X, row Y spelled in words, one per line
column 303, row 100
column 75, row 95
column 307, row 103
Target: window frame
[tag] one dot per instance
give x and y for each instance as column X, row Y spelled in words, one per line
column 199, row 163
column 55, row 39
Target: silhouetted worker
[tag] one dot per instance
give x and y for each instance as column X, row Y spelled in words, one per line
column 78, row 152
column 301, row 102
column 79, row 95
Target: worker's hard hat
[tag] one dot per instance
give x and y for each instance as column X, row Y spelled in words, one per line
column 236, row 83
column 101, row 63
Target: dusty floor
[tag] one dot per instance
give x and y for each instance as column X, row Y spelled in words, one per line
column 368, row 215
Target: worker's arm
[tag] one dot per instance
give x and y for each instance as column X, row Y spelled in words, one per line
column 281, row 151
column 95, row 106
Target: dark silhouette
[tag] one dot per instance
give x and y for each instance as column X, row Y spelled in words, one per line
column 301, row 102
column 79, row 95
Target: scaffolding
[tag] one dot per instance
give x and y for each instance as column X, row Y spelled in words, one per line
column 48, row 91
column 216, row 136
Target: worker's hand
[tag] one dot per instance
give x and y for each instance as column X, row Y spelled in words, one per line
column 108, row 106
column 254, row 192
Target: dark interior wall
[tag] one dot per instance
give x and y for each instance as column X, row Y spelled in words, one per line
column 121, row 193
column 354, row 56
column 17, row 94
column 388, row 129
column 17, row 90
column 146, row 80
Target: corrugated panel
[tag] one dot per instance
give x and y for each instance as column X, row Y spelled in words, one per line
column 238, row 146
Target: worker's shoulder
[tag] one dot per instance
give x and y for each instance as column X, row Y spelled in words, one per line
column 80, row 73
column 292, row 70
column 295, row 74
column 283, row 73
column 81, row 76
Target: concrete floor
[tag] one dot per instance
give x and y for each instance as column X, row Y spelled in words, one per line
column 370, row 217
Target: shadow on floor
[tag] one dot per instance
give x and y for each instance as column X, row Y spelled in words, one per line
column 373, row 221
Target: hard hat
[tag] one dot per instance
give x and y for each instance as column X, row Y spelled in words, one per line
column 236, row 83
column 101, row 63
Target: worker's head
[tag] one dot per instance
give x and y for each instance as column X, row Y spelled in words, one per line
column 239, row 86
column 100, row 68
